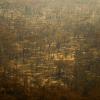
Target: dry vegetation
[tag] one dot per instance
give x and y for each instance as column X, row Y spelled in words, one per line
column 49, row 50
column 13, row 91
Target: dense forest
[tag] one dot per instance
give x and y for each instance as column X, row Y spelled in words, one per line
column 49, row 49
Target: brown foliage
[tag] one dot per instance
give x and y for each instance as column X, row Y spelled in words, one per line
column 9, row 91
